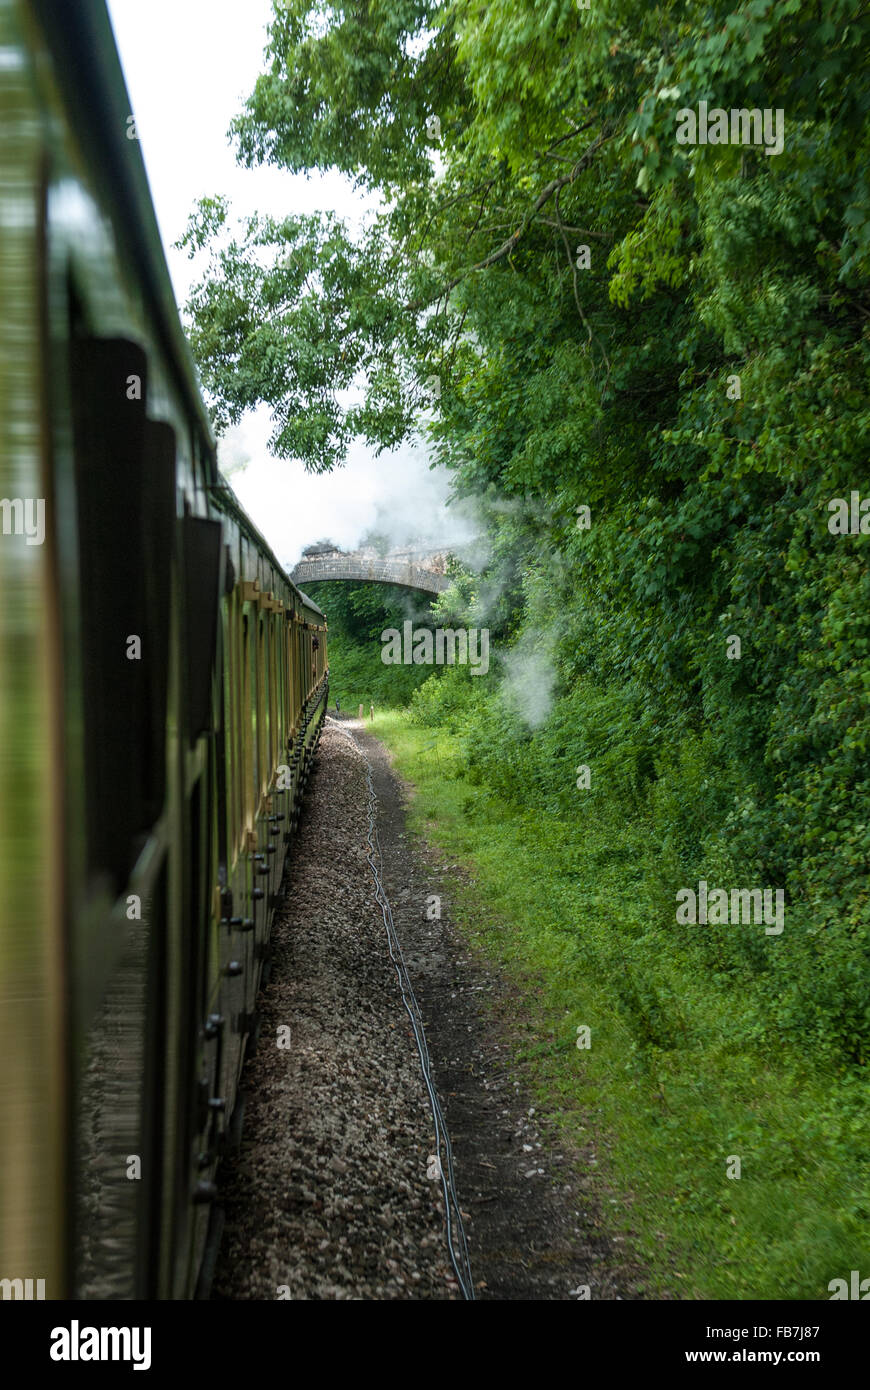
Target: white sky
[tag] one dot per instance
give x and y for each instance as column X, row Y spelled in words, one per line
column 189, row 66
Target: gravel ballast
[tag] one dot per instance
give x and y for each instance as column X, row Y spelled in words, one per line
column 328, row 1198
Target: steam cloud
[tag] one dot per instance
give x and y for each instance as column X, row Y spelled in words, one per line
column 530, row 677
column 395, row 494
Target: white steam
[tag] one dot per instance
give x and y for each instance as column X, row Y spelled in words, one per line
column 395, row 494
column 530, row 677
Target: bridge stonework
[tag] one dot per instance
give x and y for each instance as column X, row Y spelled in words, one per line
column 364, row 568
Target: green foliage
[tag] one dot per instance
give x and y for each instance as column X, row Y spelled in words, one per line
column 357, row 615
column 609, row 388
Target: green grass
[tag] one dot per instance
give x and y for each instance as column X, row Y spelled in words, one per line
column 672, row 1084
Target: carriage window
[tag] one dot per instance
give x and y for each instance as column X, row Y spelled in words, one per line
column 125, row 517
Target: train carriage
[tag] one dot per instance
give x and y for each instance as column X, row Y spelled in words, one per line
column 162, row 686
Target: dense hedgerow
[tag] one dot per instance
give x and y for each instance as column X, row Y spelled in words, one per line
column 674, row 337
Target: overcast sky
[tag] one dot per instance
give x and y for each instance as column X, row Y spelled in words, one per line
column 189, row 66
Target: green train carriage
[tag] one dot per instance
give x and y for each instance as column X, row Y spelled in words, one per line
column 162, row 687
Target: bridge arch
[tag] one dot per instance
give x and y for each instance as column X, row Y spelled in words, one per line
column 369, row 569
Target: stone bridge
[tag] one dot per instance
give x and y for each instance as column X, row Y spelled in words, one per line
column 409, row 568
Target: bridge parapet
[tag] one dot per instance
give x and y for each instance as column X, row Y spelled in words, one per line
column 366, row 569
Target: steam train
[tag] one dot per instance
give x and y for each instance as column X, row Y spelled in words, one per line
column 162, row 688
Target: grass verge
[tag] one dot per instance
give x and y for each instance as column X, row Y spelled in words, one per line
column 670, row 1090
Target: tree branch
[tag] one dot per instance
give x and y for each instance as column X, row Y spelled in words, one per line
column 573, row 265
column 553, row 187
